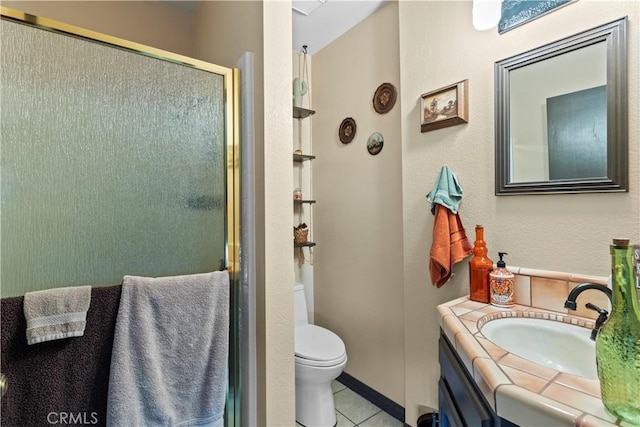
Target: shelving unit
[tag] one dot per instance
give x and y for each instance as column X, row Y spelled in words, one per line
column 300, row 114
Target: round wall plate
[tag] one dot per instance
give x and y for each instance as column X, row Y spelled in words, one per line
column 375, row 143
column 385, row 98
column 347, row 130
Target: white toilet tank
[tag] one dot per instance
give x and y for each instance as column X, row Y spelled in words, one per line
column 300, row 305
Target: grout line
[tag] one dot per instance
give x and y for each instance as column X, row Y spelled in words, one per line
column 349, row 419
column 368, row 418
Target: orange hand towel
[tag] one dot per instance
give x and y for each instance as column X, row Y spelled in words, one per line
column 450, row 245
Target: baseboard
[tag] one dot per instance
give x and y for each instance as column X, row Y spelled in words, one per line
column 381, row 401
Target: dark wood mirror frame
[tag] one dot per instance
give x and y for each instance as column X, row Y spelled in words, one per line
column 614, row 35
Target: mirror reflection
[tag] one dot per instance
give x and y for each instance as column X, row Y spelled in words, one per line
column 561, row 115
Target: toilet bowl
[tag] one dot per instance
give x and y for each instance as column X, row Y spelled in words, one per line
column 320, row 357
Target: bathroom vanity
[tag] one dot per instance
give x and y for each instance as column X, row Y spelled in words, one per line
column 460, row 401
column 481, row 384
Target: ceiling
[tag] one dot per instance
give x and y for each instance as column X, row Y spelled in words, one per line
column 327, row 20
column 316, row 23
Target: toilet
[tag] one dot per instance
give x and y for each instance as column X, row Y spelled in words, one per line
column 320, row 356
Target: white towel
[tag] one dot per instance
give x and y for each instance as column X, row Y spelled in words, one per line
column 170, row 352
column 58, row 313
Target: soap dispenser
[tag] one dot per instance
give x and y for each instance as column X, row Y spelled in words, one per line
column 501, row 284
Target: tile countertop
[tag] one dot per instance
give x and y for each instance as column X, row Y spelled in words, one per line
column 523, row 392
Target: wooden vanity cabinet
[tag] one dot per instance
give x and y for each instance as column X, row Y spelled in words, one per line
column 461, row 404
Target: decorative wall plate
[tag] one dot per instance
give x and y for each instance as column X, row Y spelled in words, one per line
column 385, row 98
column 347, row 130
column 375, row 143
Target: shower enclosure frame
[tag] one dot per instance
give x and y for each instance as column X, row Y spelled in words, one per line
column 231, row 89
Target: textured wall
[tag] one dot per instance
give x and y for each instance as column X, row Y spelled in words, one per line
column 278, row 182
column 358, row 218
column 438, row 46
column 150, row 23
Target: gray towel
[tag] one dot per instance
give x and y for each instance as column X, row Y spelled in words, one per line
column 53, row 314
column 170, row 351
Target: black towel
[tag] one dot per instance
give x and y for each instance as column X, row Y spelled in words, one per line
column 63, row 381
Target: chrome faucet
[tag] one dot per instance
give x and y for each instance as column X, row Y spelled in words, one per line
column 570, row 303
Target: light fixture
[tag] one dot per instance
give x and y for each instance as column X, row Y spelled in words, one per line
column 486, row 14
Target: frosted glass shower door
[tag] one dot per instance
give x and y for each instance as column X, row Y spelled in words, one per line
column 112, row 163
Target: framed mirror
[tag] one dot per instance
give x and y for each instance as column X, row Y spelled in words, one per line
column 561, row 115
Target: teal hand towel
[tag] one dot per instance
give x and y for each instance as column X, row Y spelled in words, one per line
column 446, row 191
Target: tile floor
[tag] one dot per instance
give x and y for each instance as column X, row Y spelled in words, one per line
column 353, row 410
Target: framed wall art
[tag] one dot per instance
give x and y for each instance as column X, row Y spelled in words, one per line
column 519, row 12
column 444, row 107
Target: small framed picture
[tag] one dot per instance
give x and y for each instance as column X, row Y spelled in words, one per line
column 444, row 107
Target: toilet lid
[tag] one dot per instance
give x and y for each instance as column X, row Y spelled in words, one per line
column 315, row 343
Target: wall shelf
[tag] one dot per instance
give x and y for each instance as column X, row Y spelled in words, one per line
column 302, row 157
column 301, row 113
column 302, row 245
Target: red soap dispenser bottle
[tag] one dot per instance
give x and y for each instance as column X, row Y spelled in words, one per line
column 479, row 268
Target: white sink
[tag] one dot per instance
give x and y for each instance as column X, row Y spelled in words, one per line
column 560, row 346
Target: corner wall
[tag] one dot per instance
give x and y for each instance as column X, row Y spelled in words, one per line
column 358, row 282
column 438, row 46
column 278, row 184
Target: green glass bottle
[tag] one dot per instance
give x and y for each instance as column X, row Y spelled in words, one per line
column 618, row 341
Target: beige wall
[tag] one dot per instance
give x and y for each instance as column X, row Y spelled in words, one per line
column 150, row 23
column 553, row 232
column 278, row 184
column 358, row 283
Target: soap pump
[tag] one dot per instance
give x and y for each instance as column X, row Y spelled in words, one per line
column 501, row 284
